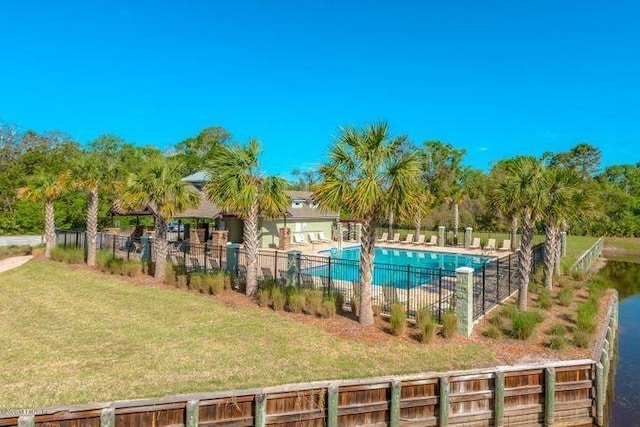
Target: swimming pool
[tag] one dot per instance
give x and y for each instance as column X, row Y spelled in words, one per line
column 399, row 268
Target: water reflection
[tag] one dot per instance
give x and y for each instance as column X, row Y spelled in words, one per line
column 625, row 405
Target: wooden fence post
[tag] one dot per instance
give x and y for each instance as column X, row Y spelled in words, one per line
column 600, row 394
column 108, row 417
column 193, row 413
column 549, row 395
column 394, row 411
column 26, row 421
column 261, row 410
column 444, row 402
column 498, row 398
column 332, row 420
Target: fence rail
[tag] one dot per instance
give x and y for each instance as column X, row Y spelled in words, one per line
column 583, row 264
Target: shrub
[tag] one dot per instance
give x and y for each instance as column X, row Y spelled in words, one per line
column 314, row 301
column 355, row 304
column 524, row 323
column 264, row 297
column 427, row 327
column 545, row 301
column 558, row 329
column 218, row 282
column 57, row 254
column 578, row 275
column 496, row 321
column 508, row 311
column 581, row 338
column 278, row 298
column 329, row 307
column 102, row 260
column 15, row 250
column 339, row 299
column 565, row 296
column 116, row 266
column 295, row 300
column 586, row 316
column 557, row 342
column 449, row 324
column 376, row 309
column 398, row 318
column 181, row 281
column 423, row 315
column 169, row 274
column 597, row 288
column 195, row 282
column 131, row 268
column 493, row 332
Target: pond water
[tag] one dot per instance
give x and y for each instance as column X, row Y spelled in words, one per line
column 624, row 409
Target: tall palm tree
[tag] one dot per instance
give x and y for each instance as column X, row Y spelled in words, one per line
column 520, row 185
column 158, row 184
column 45, row 188
column 369, row 175
column 457, row 194
column 237, row 185
column 92, row 172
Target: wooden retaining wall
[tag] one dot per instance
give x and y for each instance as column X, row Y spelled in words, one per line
column 568, row 393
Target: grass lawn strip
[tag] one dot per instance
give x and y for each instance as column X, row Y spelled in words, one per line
column 74, row 336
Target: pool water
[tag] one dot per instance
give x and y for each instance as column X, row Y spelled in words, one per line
column 399, row 268
column 421, row 259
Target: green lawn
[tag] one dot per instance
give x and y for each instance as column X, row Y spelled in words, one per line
column 69, row 336
column 631, row 244
column 576, row 246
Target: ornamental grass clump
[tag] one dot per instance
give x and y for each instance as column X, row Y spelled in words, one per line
column 580, row 338
column 586, row 316
column 545, row 301
column 278, row 299
column 398, row 319
column 195, row 282
column 355, row 304
column 295, row 300
column 493, row 331
column 214, row 283
column 565, row 296
column 523, row 323
column 426, row 325
column 449, row 324
column 329, row 306
column 314, row 301
column 103, row 258
column 131, row 268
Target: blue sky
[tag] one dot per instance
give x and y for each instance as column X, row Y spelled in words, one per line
column 497, row 78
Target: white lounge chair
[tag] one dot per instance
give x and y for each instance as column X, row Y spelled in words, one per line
column 433, row 241
column 506, row 245
column 475, row 244
column 491, row 245
column 396, row 238
column 384, row 237
column 408, row 239
column 322, row 238
column 420, row 240
column 298, row 239
column 313, row 239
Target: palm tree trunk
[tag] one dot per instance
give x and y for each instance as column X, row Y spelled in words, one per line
column 514, row 232
column 525, row 260
column 417, row 223
column 557, row 253
column 251, row 248
column 366, row 270
column 550, row 235
column 456, row 222
column 390, row 227
column 92, row 226
column 49, row 228
column 160, row 246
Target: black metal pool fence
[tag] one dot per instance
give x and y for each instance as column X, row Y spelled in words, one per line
column 413, row 286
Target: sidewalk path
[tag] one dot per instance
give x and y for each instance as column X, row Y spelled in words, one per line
column 13, row 262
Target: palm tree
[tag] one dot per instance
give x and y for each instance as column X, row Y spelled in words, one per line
column 457, row 194
column 92, row 172
column 369, row 175
column 519, row 187
column 45, row 188
column 159, row 185
column 237, row 185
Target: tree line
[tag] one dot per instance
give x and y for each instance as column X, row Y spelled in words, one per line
column 368, row 175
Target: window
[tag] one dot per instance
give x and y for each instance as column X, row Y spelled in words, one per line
column 297, row 204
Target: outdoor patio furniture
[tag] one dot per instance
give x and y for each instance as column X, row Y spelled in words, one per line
column 433, row 241
column 298, row 239
column 195, row 263
column 420, row 240
column 491, row 245
column 267, row 274
column 384, row 237
column 475, row 244
column 322, row 238
column 396, row 238
column 408, row 239
column 506, row 245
